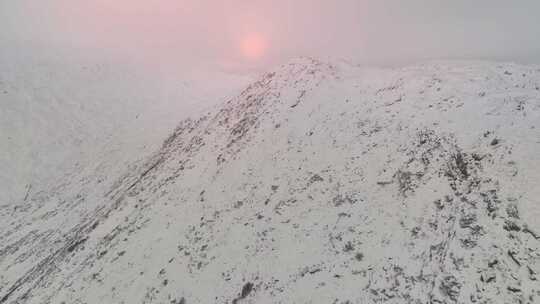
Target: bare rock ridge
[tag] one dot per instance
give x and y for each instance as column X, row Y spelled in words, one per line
column 319, row 183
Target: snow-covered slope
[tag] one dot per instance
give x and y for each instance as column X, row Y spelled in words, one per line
column 60, row 114
column 319, row 183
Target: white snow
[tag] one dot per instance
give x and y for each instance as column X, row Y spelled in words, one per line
column 59, row 115
column 319, row 183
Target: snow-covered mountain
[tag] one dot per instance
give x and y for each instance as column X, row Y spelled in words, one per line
column 319, row 183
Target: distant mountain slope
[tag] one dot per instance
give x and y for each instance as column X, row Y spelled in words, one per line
column 319, row 183
column 58, row 115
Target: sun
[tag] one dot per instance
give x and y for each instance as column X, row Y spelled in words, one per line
column 253, row 46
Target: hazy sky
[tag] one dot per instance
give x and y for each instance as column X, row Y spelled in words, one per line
column 239, row 34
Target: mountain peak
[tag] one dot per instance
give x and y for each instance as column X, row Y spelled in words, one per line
column 363, row 186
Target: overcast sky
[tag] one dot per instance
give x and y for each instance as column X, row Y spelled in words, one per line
column 238, row 34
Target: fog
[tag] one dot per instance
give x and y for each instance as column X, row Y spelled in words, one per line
column 167, row 35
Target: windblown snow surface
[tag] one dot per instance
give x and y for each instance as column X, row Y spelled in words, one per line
column 319, row 183
column 60, row 113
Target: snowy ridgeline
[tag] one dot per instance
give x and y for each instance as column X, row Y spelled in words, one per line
column 319, row 183
column 58, row 115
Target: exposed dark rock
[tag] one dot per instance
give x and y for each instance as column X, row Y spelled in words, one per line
column 526, row 229
column 439, row 204
column 512, row 255
column 467, row 221
column 182, row 300
column 246, row 290
column 315, row 178
column 314, row 271
column 76, row 244
column 450, row 287
column 513, row 289
column 468, row 243
column 512, row 211
column 342, row 199
column 406, row 183
column 493, row 263
column 511, row 226
column 461, row 164
column 348, row 247
column 532, row 274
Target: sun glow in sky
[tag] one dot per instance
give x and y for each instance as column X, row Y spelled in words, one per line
column 253, row 46
column 241, row 34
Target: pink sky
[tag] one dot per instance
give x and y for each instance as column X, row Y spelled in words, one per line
column 215, row 32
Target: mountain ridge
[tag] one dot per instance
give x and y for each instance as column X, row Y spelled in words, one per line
column 319, row 182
